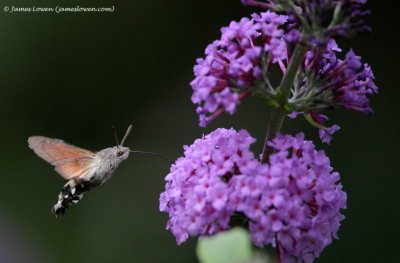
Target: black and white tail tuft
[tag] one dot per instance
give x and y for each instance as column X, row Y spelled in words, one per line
column 71, row 193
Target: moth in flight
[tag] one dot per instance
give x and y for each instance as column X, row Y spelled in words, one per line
column 83, row 169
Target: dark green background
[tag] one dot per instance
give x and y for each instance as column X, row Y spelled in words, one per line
column 72, row 76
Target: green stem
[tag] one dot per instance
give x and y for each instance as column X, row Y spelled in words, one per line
column 278, row 114
column 336, row 15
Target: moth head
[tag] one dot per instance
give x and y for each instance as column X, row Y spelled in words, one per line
column 121, row 152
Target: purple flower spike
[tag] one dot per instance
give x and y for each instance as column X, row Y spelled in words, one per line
column 233, row 66
column 293, row 203
column 341, row 83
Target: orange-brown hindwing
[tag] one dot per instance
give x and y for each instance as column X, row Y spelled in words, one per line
column 69, row 161
column 73, row 168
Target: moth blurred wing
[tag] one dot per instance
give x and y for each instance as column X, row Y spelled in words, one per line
column 70, row 161
column 54, row 150
column 73, row 168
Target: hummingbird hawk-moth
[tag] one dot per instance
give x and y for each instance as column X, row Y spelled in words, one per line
column 83, row 169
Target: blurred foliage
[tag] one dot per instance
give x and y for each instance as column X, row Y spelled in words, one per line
column 225, row 247
column 74, row 75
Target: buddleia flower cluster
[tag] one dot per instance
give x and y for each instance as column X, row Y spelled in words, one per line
column 239, row 64
column 235, row 65
column 219, row 183
column 288, row 196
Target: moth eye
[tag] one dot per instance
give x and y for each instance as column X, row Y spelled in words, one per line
column 119, row 153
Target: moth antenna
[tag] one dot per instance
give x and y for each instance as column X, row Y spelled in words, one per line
column 158, row 154
column 126, row 134
column 115, row 135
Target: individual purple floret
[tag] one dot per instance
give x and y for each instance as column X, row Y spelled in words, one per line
column 326, row 134
column 294, row 204
column 198, row 193
column 235, row 64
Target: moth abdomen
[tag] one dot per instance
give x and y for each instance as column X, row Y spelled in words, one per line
column 71, row 193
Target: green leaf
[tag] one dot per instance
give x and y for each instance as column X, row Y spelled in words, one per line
column 225, row 247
